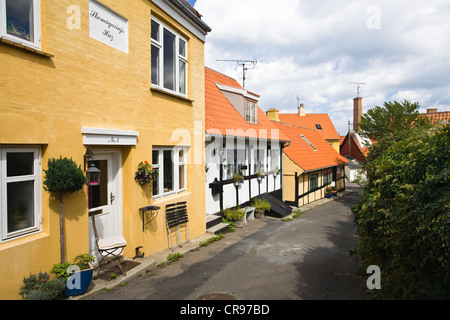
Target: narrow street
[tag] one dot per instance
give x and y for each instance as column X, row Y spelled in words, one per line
column 268, row 259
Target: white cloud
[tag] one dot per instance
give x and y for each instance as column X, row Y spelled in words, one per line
column 312, row 49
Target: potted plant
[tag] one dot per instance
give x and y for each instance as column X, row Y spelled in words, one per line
column 77, row 276
column 236, row 215
column 261, row 206
column 334, row 191
column 63, row 175
column 40, row 287
column 238, row 178
column 261, row 175
column 145, row 173
column 328, row 192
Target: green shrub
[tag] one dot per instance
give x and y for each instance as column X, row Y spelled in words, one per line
column 261, row 204
column 234, row 214
column 40, row 287
column 403, row 215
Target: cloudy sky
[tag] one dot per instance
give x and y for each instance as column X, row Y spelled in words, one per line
column 313, row 49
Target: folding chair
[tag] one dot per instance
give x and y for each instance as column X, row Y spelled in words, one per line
column 176, row 215
column 108, row 247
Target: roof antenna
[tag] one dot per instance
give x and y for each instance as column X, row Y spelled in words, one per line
column 358, row 88
column 244, row 63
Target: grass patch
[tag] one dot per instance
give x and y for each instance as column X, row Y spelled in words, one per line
column 211, row 240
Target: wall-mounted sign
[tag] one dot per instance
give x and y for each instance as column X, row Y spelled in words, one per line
column 108, row 26
column 109, row 137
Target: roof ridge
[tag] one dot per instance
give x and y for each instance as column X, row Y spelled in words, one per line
column 222, row 74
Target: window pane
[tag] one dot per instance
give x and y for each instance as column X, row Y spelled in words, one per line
column 98, row 195
column 181, row 176
column 155, row 182
column 182, row 48
column 169, row 60
column 155, row 157
column 155, row 30
column 20, row 200
column 181, row 155
column 19, row 19
column 19, row 164
column 168, row 171
column 155, row 65
column 182, row 75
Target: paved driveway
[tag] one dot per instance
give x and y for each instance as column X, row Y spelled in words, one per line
column 307, row 258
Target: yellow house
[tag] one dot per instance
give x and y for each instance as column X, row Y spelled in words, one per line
column 123, row 79
column 310, row 163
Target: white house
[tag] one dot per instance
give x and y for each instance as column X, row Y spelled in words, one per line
column 240, row 139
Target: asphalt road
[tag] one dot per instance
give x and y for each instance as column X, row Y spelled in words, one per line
column 268, row 259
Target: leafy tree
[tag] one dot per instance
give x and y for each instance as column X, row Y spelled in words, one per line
column 403, row 215
column 63, row 175
column 388, row 121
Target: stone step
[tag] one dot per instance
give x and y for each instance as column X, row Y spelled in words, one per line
column 212, row 220
column 218, row 228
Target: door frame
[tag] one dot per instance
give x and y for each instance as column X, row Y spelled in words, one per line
column 116, row 157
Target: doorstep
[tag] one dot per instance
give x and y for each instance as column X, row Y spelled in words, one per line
column 147, row 264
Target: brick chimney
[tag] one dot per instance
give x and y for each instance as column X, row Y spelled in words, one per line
column 273, row 114
column 301, row 110
column 357, row 112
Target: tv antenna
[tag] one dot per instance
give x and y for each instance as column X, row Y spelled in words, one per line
column 358, row 87
column 246, row 65
column 298, row 100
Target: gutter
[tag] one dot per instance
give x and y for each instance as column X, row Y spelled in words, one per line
column 195, row 16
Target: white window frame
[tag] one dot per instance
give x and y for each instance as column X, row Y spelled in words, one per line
column 250, row 112
column 176, row 176
column 4, row 180
column 36, row 43
column 179, row 58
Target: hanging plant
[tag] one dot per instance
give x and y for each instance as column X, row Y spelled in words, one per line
column 145, row 173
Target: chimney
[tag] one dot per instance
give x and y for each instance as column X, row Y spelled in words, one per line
column 301, row 110
column 431, row 110
column 273, row 114
column 357, row 112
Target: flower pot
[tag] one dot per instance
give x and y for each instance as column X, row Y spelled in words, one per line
column 79, row 282
column 259, row 213
column 239, row 223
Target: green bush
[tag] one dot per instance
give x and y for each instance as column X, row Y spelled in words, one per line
column 234, row 214
column 403, row 216
column 40, row 287
column 261, row 204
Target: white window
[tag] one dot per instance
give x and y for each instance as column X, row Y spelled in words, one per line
column 250, row 112
column 169, row 59
column 20, row 21
column 20, row 191
column 170, row 167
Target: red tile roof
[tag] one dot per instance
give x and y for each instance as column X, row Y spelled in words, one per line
column 310, row 120
column 221, row 116
column 303, row 154
column 438, row 116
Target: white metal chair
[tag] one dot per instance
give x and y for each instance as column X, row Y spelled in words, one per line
column 109, row 247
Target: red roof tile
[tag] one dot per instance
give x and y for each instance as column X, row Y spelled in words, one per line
column 310, row 120
column 303, row 154
column 222, row 118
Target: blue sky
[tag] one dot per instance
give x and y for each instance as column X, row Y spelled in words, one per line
column 313, row 49
column 191, row 2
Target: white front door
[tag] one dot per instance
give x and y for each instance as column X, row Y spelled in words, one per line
column 105, row 200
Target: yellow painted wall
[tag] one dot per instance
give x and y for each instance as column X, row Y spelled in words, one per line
column 46, row 101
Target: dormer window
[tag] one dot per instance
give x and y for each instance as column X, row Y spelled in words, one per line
column 250, row 112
